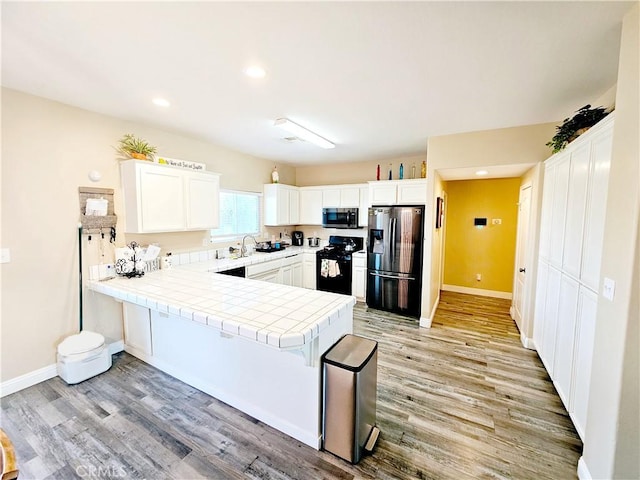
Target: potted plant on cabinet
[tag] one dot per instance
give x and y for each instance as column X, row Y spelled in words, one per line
column 135, row 147
column 571, row 129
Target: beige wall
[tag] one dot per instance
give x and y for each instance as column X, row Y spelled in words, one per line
column 434, row 237
column 489, row 251
column 47, row 150
column 506, row 146
column 359, row 172
column 611, row 445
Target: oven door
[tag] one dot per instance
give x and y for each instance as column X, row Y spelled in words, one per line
column 333, row 274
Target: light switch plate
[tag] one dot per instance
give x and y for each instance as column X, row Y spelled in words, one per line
column 608, row 288
column 5, row 255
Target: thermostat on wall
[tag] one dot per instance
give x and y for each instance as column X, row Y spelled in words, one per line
column 480, row 222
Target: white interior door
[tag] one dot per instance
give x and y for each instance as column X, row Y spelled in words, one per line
column 522, row 261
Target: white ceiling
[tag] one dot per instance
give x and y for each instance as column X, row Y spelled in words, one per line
column 376, row 78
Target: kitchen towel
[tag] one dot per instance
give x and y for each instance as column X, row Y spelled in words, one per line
column 329, row 268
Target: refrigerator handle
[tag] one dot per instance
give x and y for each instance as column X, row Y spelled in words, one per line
column 392, row 239
column 396, row 277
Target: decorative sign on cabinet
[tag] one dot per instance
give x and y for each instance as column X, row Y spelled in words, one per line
column 571, row 234
column 160, row 198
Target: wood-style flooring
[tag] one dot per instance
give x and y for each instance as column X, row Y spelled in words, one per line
column 462, row 400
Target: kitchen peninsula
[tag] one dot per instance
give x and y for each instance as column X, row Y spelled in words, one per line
column 251, row 344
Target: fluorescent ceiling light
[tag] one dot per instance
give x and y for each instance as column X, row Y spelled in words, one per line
column 255, row 71
column 481, row 172
column 302, row 133
column 161, row 102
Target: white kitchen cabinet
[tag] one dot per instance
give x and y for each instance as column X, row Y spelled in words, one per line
column 161, row 198
column 586, row 328
column 286, row 275
column 137, row 328
column 596, row 207
column 281, row 204
column 363, row 209
column 576, row 205
column 564, row 338
column 359, row 276
column 341, row 196
column 309, row 270
column 550, row 317
column 297, row 275
column 571, row 231
column 270, row 271
column 310, row 205
column 398, row 192
column 559, row 209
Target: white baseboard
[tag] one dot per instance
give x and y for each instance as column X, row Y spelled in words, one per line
column 28, row 379
column 583, row 471
column 477, row 291
column 45, row 373
column 116, row 347
column 527, row 342
column 426, row 321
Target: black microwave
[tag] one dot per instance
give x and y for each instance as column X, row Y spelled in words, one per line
column 340, row 217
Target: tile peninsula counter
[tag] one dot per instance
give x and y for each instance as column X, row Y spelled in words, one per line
column 251, row 344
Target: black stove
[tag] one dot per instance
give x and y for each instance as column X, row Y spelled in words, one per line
column 333, row 264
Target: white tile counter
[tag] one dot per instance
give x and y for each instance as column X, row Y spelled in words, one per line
column 278, row 315
column 254, row 345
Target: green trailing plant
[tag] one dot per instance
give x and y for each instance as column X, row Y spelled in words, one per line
column 570, row 129
column 135, row 147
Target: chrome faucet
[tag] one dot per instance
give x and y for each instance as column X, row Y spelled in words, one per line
column 243, row 249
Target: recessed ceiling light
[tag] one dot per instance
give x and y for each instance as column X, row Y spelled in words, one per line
column 161, row 102
column 481, row 172
column 255, row 72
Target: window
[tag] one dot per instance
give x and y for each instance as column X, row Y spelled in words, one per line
column 239, row 214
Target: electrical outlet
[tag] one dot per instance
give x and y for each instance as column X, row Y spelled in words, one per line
column 496, row 221
column 5, row 255
column 479, row 277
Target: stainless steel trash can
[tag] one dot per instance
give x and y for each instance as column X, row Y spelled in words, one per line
column 350, row 370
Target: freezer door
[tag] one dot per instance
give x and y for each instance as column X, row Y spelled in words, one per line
column 394, row 292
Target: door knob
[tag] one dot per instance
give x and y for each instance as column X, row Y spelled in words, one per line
column 522, row 270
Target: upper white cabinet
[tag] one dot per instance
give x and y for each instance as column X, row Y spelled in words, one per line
column 281, row 204
column 363, row 211
column 160, row 198
column 311, row 205
column 341, row 196
column 398, row 192
column 571, row 233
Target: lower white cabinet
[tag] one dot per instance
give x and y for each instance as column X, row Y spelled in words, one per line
column 550, row 318
column 137, row 328
column 586, row 328
column 563, row 366
column 309, row 270
column 359, row 276
column 284, row 271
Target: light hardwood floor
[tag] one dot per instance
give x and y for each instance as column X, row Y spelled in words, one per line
column 460, row 400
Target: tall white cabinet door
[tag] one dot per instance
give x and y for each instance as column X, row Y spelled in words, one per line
column 558, row 210
column 576, row 205
column 596, row 206
column 565, row 334
column 541, row 297
column 587, row 307
column 310, row 206
column 162, row 199
column 547, row 210
column 203, row 201
column 548, row 348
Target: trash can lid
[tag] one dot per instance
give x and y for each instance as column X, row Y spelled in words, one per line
column 351, row 352
column 80, row 343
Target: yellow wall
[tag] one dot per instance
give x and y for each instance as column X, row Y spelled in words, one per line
column 489, row 251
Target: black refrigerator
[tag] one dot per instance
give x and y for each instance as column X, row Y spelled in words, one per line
column 394, row 259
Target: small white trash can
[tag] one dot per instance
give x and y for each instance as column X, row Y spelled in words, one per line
column 82, row 356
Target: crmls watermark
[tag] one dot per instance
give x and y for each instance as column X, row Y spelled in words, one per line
column 92, row 471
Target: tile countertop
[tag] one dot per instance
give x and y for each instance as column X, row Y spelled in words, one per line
column 280, row 316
